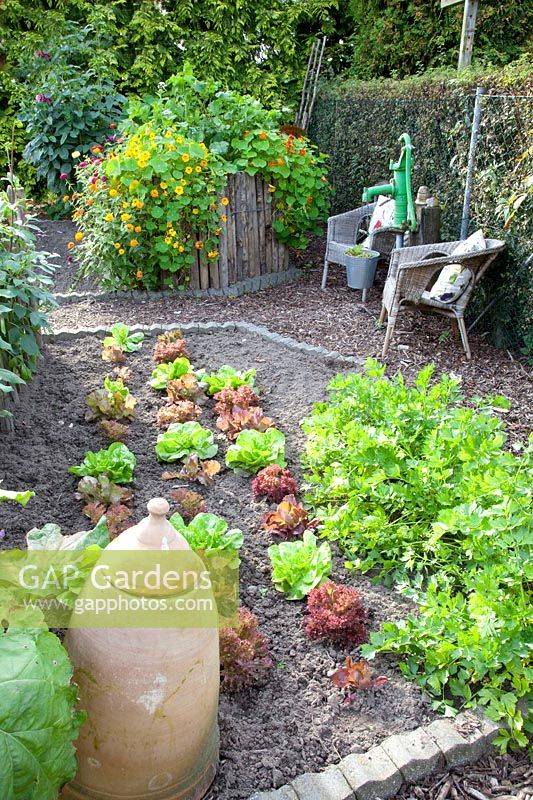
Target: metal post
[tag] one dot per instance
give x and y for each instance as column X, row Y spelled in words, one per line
column 465, row 219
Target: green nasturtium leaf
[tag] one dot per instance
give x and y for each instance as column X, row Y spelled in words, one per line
column 38, row 719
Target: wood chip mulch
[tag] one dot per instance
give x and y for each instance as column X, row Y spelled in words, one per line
column 492, row 778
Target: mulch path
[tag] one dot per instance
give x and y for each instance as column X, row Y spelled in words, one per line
column 492, row 778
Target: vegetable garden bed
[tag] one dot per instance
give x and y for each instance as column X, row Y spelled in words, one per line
column 294, row 722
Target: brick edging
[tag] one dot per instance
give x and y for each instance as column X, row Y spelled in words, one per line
column 330, row 356
column 255, row 284
column 404, row 757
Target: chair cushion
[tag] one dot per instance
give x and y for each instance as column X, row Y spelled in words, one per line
column 474, row 243
column 450, row 284
column 382, row 217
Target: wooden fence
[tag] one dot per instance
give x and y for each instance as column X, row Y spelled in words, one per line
column 248, row 245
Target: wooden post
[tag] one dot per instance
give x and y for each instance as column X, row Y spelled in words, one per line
column 467, row 34
column 468, row 30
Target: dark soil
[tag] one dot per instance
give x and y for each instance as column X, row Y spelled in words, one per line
column 504, row 777
column 334, row 318
column 294, row 723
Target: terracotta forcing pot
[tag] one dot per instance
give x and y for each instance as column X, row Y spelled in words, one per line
column 151, row 697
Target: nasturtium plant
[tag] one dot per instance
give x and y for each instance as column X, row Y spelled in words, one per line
column 117, row 462
column 171, row 371
column 38, row 717
column 254, row 450
column 183, row 439
column 226, row 378
column 299, row 566
column 153, row 201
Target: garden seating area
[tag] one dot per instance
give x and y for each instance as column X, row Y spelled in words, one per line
column 255, row 543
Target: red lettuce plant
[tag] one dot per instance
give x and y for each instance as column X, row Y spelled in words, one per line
column 238, row 419
column 124, row 374
column 101, row 496
column 113, row 353
column 117, row 516
column 182, row 411
column 165, row 352
column 184, row 388
column 356, row 675
column 337, row 614
column 244, row 656
column 289, row 520
column 274, row 483
column 115, row 431
column 226, row 399
column 189, row 503
column 113, row 401
column 194, row 469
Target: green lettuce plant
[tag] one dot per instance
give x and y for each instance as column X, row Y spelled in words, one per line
column 226, row 378
column 209, row 532
column 39, row 720
column 117, row 462
column 254, row 450
column 20, row 497
column 122, row 338
column 172, row 371
column 114, row 401
column 297, row 567
column 49, row 537
column 183, row 439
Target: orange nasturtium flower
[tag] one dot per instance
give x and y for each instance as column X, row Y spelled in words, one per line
column 225, row 201
column 197, row 169
column 139, row 274
column 96, row 148
column 138, row 229
column 262, row 135
column 71, row 245
column 78, row 236
column 185, row 157
column 212, row 254
column 154, row 193
column 134, row 243
column 224, row 218
column 203, row 162
column 66, row 198
column 199, row 245
column 125, row 217
column 129, row 227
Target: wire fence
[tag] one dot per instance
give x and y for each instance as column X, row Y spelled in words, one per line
column 361, row 134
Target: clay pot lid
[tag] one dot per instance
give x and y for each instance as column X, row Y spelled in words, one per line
column 154, row 532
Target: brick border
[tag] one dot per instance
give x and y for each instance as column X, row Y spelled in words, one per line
column 330, row 356
column 401, row 758
column 266, row 281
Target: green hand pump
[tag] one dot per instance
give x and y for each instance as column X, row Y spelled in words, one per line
column 399, row 189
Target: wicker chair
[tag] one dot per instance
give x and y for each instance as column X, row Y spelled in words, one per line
column 411, row 271
column 345, row 230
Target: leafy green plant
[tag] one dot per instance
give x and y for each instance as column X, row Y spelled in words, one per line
column 184, row 388
column 189, row 503
column 114, row 401
column 172, row 371
column 182, row 411
column 226, row 378
column 421, row 490
column 117, row 462
column 184, row 439
column 254, row 450
column 165, row 350
column 122, row 338
column 39, row 717
column 49, row 537
column 20, row 497
column 299, row 566
column 25, row 296
column 360, row 252
column 243, row 397
column 209, row 533
column 240, row 419
column 203, row 472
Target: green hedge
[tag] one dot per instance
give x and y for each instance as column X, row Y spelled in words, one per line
column 359, row 131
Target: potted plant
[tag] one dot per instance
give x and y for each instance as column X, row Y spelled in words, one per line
column 361, row 266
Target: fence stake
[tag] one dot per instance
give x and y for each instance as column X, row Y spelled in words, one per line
column 465, row 219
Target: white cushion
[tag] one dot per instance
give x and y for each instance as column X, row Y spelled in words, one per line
column 450, row 284
column 382, row 217
column 474, row 243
